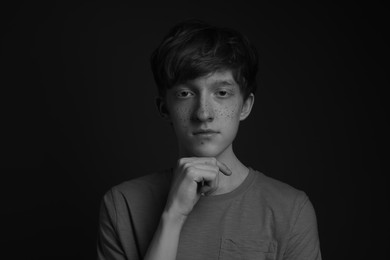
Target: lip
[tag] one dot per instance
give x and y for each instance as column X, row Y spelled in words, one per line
column 205, row 132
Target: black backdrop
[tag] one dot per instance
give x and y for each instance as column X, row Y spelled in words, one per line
column 78, row 114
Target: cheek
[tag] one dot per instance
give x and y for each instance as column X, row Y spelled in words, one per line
column 229, row 112
column 181, row 115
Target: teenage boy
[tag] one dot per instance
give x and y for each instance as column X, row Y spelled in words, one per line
column 210, row 205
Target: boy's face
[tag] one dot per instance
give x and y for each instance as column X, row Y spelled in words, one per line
column 205, row 113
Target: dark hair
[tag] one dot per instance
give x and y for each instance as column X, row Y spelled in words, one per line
column 194, row 48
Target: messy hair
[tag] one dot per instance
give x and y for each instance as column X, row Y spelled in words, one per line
column 193, row 48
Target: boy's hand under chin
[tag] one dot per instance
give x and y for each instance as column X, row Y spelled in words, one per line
column 193, row 177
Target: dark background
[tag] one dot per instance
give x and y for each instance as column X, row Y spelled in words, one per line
column 78, row 114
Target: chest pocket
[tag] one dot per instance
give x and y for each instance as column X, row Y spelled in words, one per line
column 240, row 249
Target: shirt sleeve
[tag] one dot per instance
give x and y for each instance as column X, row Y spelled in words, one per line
column 303, row 243
column 108, row 242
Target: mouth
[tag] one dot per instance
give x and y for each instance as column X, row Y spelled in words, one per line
column 205, row 132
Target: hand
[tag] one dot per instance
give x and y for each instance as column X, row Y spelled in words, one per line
column 192, row 178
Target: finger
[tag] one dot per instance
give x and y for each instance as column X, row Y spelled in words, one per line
column 208, row 190
column 207, row 160
column 207, row 167
column 206, row 178
column 201, row 173
column 209, row 186
column 223, row 168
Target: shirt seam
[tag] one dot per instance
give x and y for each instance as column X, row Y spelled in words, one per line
column 115, row 209
column 294, row 222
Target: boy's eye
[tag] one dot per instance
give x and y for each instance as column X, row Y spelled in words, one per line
column 223, row 93
column 183, row 94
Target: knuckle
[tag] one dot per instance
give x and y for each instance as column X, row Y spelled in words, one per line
column 190, row 171
column 214, row 169
column 181, row 161
column 186, row 165
column 213, row 160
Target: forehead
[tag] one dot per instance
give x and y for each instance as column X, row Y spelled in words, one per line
column 214, row 79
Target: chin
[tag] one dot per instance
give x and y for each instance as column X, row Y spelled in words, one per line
column 206, row 151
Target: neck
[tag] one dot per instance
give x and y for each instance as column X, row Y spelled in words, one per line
column 239, row 170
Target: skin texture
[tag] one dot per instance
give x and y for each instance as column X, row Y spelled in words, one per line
column 211, row 102
column 214, row 103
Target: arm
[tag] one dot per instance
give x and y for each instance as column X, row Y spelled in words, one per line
column 166, row 239
column 185, row 192
column 303, row 243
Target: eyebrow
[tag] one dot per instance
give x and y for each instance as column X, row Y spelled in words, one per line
column 223, row 82
column 215, row 84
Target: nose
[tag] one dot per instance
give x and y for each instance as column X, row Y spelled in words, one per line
column 203, row 111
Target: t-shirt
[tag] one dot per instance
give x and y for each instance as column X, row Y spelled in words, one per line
column 261, row 219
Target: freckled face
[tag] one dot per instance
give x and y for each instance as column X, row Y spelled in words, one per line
column 205, row 113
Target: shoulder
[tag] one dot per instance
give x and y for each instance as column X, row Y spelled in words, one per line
column 156, row 180
column 278, row 194
column 140, row 189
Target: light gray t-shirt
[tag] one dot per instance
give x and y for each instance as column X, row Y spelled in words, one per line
column 261, row 219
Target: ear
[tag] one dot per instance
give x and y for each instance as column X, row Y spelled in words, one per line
column 162, row 108
column 247, row 106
